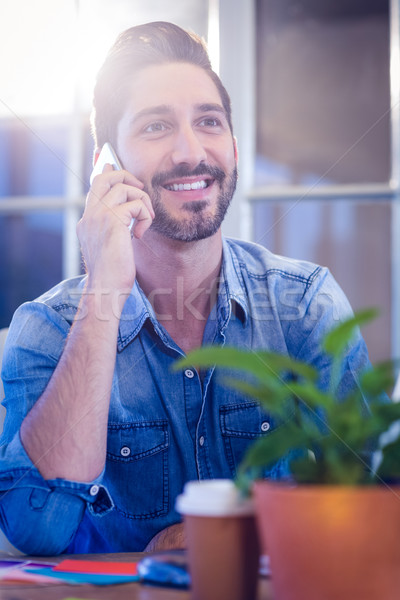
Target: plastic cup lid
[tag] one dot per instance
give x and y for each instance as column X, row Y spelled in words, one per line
column 213, row 497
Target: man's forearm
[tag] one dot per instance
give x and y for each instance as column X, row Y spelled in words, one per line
column 65, row 433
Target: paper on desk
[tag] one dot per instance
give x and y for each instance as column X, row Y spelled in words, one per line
column 21, row 576
column 8, row 563
column 82, row 578
column 68, row 571
column 97, row 566
column 12, row 571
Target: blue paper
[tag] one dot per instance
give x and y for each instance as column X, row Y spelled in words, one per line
column 82, row 578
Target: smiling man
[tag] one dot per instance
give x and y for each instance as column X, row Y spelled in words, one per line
column 182, row 150
column 100, row 434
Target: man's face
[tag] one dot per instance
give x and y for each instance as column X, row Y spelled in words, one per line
column 174, row 136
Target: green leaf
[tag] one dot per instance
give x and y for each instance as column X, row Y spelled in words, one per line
column 262, row 365
column 232, row 358
column 337, row 339
column 311, row 396
column 385, row 414
column 341, row 472
column 245, row 478
column 271, row 396
column 305, row 470
column 271, row 447
column 389, row 467
column 379, row 379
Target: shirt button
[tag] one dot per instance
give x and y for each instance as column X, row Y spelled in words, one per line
column 265, row 426
column 201, row 440
column 125, row 451
column 94, row 490
column 189, row 373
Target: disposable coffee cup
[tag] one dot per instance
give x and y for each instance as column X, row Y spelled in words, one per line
column 222, row 542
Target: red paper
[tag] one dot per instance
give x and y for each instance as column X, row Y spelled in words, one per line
column 97, row 567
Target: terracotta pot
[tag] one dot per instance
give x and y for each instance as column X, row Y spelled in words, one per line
column 331, row 542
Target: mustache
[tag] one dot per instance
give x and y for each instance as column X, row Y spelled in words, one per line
column 159, row 179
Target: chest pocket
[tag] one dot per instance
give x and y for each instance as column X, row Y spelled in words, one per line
column 137, row 468
column 241, row 424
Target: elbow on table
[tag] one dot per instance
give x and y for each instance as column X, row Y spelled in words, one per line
column 40, row 522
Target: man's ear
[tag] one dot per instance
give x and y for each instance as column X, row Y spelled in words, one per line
column 235, row 150
column 96, row 155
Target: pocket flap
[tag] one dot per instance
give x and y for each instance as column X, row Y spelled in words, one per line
column 132, row 441
column 246, row 420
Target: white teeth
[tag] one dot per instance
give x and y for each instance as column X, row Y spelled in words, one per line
column 179, row 187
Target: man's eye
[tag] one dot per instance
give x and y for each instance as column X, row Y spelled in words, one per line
column 155, row 127
column 210, row 122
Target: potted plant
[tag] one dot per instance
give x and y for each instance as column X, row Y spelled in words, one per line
column 333, row 530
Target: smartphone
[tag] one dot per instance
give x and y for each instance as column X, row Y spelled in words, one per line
column 106, row 156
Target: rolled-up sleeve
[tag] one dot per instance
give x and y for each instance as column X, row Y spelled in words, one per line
column 38, row 516
column 41, row 516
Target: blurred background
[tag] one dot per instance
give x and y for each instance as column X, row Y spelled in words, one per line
column 315, row 92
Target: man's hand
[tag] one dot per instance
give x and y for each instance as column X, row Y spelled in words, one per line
column 171, row 538
column 115, row 198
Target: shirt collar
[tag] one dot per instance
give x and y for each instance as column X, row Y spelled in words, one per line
column 232, row 286
column 137, row 309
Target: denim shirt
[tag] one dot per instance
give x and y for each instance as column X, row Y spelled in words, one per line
column 165, row 427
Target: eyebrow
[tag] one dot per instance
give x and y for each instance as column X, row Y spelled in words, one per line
column 164, row 109
column 210, row 107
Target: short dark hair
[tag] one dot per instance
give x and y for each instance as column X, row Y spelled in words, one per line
column 141, row 46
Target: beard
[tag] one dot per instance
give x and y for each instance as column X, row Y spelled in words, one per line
column 199, row 224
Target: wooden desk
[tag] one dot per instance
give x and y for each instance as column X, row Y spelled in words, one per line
column 126, row 591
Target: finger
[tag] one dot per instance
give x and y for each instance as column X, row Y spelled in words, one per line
column 121, row 193
column 145, row 198
column 123, row 203
column 137, row 211
column 124, row 176
column 108, row 179
column 141, row 223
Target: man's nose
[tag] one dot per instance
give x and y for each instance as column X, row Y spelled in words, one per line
column 188, row 148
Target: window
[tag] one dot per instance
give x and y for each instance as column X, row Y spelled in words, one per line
column 314, row 88
column 53, row 51
column 323, row 92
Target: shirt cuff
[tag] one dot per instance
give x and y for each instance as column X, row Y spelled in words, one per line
column 18, row 471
